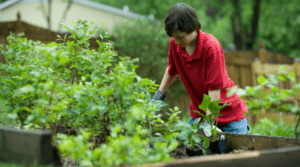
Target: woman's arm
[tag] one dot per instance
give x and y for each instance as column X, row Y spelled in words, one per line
column 166, row 81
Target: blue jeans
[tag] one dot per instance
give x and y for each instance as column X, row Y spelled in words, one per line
column 240, row 127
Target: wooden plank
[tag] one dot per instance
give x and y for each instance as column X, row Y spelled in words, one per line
column 257, row 68
column 241, row 61
column 271, row 57
column 286, row 117
column 246, row 76
column 274, row 69
column 256, row 142
column 26, row 146
column 279, row 58
column 297, row 71
column 234, row 76
column 263, row 55
column 231, row 73
column 254, row 73
column 275, row 157
column 297, row 75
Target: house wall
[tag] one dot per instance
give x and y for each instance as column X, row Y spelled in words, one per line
column 30, row 14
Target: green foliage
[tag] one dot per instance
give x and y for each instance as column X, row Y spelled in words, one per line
column 279, row 34
column 262, row 100
column 214, row 108
column 258, row 99
column 158, row 8
column 131, row 148
column 165, row 131
column 277, row 29
column 146, row 41
column 69, row 84
column 189, row 134
column 268, row 128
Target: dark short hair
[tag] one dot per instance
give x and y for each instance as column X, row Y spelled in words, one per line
column 181, row 17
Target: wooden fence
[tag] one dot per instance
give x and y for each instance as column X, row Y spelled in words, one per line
column 261, row 69
column 243, row 68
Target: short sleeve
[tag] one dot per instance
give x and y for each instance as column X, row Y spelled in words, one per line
column 216, row 74
column 171, row 63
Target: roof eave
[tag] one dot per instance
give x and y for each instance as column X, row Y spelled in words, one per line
column 6, row 4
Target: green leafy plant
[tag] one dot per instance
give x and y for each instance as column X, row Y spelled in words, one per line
column 189, row 134
column 258, row 98
column 129, row 148
column 215, row 109
column 165, row 131
column 269, row 128
column 48, row 86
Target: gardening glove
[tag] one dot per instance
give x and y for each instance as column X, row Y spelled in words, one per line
column 207, row 128
column 158, row 96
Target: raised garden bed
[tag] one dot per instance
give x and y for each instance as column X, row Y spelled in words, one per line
column 25, row 147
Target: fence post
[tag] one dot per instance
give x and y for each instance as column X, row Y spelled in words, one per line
column 262, row 53
column 19, row 24
column 279, row 58
column 297, row 73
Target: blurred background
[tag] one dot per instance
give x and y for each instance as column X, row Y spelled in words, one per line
column 244, row 28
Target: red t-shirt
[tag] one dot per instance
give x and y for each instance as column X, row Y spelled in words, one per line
column 205, row 70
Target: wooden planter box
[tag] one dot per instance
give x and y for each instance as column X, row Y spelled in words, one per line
column 27, row 147
column 262, row 151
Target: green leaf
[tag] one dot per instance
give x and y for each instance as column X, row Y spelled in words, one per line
column 261, row 80
column 281, row 70
column 206, row 142
column 297, row 86
column 291, row 74
column 249, row 89
column 205, row 102
column 196, row 138
column 196, row 122
column 231, row 92
column 281, row 78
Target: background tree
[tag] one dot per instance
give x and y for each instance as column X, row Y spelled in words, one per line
column 239, row 23
column 47, row 14
column 279, row 26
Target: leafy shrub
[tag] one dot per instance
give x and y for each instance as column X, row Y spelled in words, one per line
column 69, row 84
column 130, row 148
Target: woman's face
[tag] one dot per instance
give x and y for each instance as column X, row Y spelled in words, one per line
column 183, row 39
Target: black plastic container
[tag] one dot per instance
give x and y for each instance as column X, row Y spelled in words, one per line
column 194, row 152
column 219, row 147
